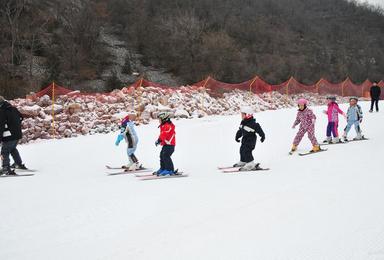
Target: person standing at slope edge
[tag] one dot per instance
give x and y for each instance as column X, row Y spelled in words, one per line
column 10, row 134
column 375, row 92
column 247, row 132
column 307, row 119
column 167, row 139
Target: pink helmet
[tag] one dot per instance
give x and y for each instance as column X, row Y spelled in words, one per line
column 302, row 101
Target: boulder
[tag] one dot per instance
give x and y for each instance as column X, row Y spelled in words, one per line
column 181, row 113
column 31, row 111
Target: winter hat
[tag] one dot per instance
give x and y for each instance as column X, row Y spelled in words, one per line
column 332, row 98
column 302, row 101
column 354, row 98
column 125, row 120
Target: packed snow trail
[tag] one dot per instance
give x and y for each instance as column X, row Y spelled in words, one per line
column 323, row 206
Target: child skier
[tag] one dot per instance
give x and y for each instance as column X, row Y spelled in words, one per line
column 333, row 112
column 167, row 139
column 128, row 132
column 247, row 131
column 354, row 117
column 306, row 118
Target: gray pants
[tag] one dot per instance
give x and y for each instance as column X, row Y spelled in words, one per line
column 9, row 148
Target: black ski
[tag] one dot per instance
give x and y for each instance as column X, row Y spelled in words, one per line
column 355, row 140
column 310, row 152
column 17, row 175
column 238, row 170
column 341, row 142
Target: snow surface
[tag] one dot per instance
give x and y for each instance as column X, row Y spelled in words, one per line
column 323, row 206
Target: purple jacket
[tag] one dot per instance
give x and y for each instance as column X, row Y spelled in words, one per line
column 305, row 118
column 333, row 112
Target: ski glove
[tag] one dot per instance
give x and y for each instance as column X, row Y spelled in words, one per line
column 157, row 142
column 262, row 139
column 237, row 140
column 120, row 137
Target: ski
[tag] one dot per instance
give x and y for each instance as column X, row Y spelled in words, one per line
column 308, row 153
column 238, row 169
column 115, row 167
column 156, row 177
column 129, row 172
column 227, row 167
column 143, row 174
column 25, row 170
column 16, row 175
column 341, row 142
column 355, row 140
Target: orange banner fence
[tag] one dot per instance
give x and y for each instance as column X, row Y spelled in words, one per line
column 214, row 87
column 256, row 85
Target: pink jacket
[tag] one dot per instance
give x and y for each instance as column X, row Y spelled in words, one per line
column 306, row 119
column 333, row 112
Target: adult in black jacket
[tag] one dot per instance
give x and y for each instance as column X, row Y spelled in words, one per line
column 10, row 134
column 247, row 131
column 375, row 96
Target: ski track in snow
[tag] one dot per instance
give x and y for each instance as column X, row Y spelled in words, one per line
column 322, row 206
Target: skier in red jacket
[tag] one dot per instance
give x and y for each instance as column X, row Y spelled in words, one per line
column 167, row 139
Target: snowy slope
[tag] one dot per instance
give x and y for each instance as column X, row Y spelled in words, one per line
column 324, row 206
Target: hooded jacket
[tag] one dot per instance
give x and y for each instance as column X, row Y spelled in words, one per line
column 248, row 130
column 10, row 122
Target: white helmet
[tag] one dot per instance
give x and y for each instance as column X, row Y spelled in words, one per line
column 163, row 115
column 247, row 110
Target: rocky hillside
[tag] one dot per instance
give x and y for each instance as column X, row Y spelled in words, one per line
column 100, row 45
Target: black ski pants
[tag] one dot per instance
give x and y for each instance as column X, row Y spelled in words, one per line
column 376, row 103
column 165, row 157
column 246, row 153
column 9, row 148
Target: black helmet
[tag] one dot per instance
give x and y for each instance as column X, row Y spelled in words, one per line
column 332, row 98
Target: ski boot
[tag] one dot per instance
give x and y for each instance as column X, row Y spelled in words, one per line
column 257, row 167
column 248, row 166
column 315, row 149
column 239, row 164
column 328, row 140
column 166, row 173
column 358, row 137
column 19, row 166
column 8, row 171
column 157, row 172
column 134, row 167
column 345, row 138
column 336, row 140
column 293, row 149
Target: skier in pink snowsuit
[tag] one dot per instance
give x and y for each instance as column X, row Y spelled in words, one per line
column 306, row 118
column 333, row 112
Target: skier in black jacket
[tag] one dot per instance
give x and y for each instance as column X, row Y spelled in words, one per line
column 247, row 131
column 375, row 92
column 10, row 134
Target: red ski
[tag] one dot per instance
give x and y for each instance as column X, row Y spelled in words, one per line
column 156, row 177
